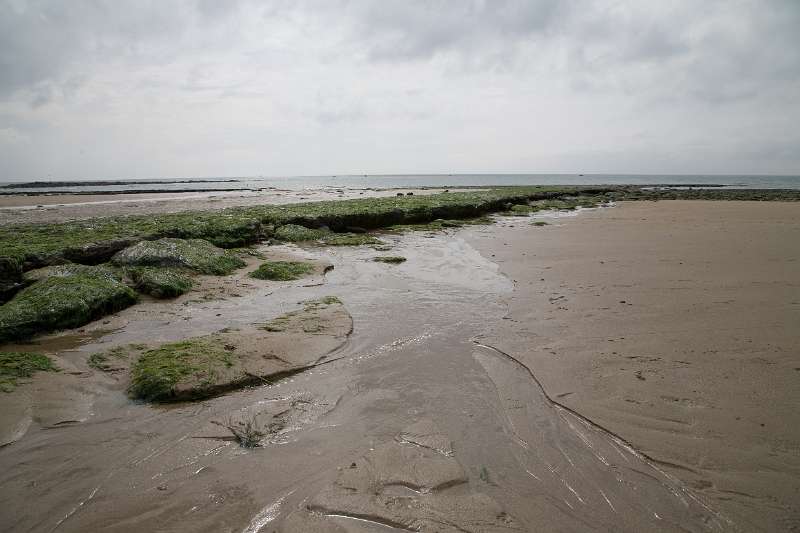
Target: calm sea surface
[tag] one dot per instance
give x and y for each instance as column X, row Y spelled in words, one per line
column 418, row 180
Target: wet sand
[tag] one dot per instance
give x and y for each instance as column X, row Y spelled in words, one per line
column 445, row 410
column 675, row 325
column 40, row 208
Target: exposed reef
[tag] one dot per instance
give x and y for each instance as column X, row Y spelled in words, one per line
column 205, row 366
column 68, row 299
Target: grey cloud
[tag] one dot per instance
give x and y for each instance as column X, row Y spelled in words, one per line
column 467, row 84
column 419, row 30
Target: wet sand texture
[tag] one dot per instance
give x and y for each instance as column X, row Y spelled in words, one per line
column 675, row 325
column 431, row 414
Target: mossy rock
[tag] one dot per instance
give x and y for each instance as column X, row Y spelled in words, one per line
column 522, row 210
column 282, row 270
column 10, row 277
column 36, row 245
column 69, row 270
column 158, row 372
column 350, row 239
column 443, row 224
column 195, row 254
column 296, row 233
column 160, row 282
column 15, row 366
column 391, row 259
column 202, row 367
column 60, row 302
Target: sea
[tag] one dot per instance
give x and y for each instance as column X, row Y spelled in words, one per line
column 393, row 181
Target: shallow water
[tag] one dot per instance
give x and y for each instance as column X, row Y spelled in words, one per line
column 413, row 381
column 425, row 180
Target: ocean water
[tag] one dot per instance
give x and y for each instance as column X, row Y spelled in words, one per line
column 411, row 180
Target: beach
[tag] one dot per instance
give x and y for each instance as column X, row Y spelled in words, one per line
column 630, row 366
column 675, row 325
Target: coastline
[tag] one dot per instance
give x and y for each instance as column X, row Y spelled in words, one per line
column 413, row 375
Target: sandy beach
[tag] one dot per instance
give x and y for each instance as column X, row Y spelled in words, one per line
column 623, row 368
column 675, row 325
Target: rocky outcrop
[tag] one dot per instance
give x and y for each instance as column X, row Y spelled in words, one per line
column 194, row 254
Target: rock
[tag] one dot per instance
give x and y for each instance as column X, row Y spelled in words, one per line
column 64, row 297
column 160, row 282
column 202, row 367
column 297, row 233
column 68, row 270
column 8, row 289
column 97, row 252
column 194, row 254
column 355, row 229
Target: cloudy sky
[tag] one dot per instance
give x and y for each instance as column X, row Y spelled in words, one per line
column 172, row 88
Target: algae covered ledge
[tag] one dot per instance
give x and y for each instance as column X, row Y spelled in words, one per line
column 157, row 255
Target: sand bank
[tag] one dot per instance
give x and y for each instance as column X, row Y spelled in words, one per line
column 675, row 325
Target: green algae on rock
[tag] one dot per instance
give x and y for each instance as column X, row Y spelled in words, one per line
column 195, row 254
column 19, row 365
column 350, row 239
column 282, row 270
column 68, row 270
column 160, row 282
column 522, row 210
column 157, row 373
column 33, row 245
column 202, row 367
column 391, row 259
column 442, row 224
column 297, row 233
column 64, row 301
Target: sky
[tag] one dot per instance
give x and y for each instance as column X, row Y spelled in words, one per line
column 93, row 89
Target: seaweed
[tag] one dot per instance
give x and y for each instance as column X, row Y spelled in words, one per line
column 61, row 302
column 391, row 259
column 15, row 366
column 160, row 282
column 194, row 254
column 156, row 373
column 297, row 233
column 33, row 245
column 282, row 270
column 350, row 239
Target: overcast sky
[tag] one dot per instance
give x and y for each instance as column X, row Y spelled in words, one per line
column 136, row 89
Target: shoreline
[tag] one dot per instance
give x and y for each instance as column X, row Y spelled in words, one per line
column 660, row 322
